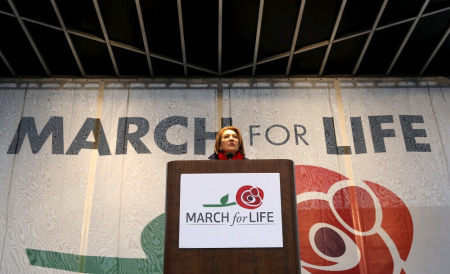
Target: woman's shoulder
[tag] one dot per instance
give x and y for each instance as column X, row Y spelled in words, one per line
column 213, row 157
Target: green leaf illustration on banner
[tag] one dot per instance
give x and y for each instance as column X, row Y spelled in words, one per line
column 152, row 242
column 223, row 202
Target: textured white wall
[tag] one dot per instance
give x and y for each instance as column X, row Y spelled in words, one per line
column 98, row 205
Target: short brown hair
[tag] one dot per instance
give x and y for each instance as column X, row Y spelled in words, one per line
column 219, row 138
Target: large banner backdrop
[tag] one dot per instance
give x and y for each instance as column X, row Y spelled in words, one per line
column 83, row 168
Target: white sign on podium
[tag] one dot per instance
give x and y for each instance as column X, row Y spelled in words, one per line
column 230, row 210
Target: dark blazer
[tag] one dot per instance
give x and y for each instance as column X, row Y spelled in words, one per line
column 216, row 157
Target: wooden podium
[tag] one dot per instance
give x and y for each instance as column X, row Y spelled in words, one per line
column 284, row 259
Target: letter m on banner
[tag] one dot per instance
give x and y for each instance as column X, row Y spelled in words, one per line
column 27, row 126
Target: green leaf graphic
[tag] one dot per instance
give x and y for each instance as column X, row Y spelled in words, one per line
column 224, row 199
column 223, row 202
column 152, row 242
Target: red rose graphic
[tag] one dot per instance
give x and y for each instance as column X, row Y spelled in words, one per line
column 363, row 228
column 249, row 197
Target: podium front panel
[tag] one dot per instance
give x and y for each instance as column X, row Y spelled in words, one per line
column 283, row 259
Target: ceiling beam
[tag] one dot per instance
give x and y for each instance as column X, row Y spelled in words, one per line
column 435, row 12
column 294, row 39
column 127, row 47
column 333, row 34
column 405, row 40
column 369, row 38
column 436, row 49
column 258, row 34
column 290, row 54
column 30, row 39
column 183, row 46
column 144, row 37
column 202, row 69
column 273, row 58
column 350, row 36
column 69, row 40
column 105, row 34
column 312, row 46
column 131, row 48
column 245, row 66
column 364, row 32
column 165, row 58
column 86, row 35
column 37, row 22
column 279, row 56
column 11, row 70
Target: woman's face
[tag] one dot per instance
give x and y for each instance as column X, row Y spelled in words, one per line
column 229, row 142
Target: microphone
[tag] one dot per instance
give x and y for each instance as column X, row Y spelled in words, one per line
column 229, row 156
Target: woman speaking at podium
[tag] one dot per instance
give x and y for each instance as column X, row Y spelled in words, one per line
column 229, row 145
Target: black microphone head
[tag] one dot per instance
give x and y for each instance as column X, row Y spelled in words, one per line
column 229, row 156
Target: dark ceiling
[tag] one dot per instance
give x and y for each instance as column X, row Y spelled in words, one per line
column 224, row 38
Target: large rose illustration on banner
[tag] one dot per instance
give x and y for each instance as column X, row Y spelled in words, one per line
column 360, row 228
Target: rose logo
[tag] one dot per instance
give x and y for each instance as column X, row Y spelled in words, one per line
column 249, row 197
column 360, row 227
